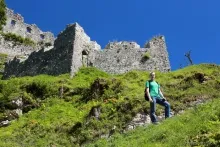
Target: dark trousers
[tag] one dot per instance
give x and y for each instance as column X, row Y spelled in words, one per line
column 153, row 108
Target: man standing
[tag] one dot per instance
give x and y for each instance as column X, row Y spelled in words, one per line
column 156, row 96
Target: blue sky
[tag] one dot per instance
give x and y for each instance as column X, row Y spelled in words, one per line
column 187, row 25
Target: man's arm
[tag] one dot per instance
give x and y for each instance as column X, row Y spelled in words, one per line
column 148, row 94
column 161, row 94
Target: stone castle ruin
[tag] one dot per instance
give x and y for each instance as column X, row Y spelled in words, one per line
column 73, row 49
column 15, row 24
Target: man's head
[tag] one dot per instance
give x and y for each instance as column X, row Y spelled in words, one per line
column 152, row 75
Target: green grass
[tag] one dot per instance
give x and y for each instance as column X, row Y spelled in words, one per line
column 196, row 127
column 120, row 98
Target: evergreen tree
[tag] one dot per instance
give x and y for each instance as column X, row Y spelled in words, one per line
column 2, row 13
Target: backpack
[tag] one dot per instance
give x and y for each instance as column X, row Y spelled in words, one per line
column 145, row 94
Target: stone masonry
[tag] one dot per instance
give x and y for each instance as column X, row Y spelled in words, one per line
column 15, row 24
column 12, row 50
column 74, row 49
column 65, row 57
column 120, row 57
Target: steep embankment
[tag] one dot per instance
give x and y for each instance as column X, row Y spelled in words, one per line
column 94, row 103
column 196, row 127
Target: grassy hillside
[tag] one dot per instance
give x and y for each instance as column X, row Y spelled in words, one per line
column 196, row 127
column 52, row 118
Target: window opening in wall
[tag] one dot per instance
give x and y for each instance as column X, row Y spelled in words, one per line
column 42, row 36
column 85, row 58
column 13, row 22
column 29, row 29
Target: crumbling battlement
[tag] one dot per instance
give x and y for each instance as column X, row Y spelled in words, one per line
column 15, row 24
column 122, row 44
column 65, row 57
column 74, row 49
column 124, row 58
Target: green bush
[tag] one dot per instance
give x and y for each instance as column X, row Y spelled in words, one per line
column 3, row 59
column 146, row 56
column 18, row 39
column 2, row 14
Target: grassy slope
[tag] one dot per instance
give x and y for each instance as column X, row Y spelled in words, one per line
column 196, row 127
column 54, row 117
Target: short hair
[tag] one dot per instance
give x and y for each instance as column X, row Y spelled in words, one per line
column 152, row 73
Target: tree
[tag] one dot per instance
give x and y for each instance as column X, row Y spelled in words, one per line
column 2, row 13
column 188, row 55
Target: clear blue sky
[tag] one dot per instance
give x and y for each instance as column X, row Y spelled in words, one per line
column 187, row 25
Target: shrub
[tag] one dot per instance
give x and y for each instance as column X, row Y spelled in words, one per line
column 18, row 39
column 145, row 57
column 2, row 13
column 3, row 58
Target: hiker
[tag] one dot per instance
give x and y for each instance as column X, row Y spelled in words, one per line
column 155, row 95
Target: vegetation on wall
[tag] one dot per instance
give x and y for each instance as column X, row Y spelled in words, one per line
column 17, row 39
column 46, row 44
column 3, row 58
column 146, row 56
column 2, row 13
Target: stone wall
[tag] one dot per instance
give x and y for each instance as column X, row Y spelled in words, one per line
column 82, row 47
column 12, row 49
column 65, row 57
column 15, row 24
column 73, row 49
column 122, row 44
column 120, row 57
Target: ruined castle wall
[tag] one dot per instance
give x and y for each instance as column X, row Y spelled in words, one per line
column 81, row 49
column 120, row 58
column 12, row 49
column 54, row 61
column 122, row 44
column 158, row 51
column 73, row 49
column 15, row 24
column 58, row 60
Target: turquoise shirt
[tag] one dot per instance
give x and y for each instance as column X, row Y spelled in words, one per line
column 153, row 88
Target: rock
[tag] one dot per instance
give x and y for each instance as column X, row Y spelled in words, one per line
column 18, row 102
column 4, row 123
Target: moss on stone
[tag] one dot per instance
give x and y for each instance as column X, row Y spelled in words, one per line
column 18, row 39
